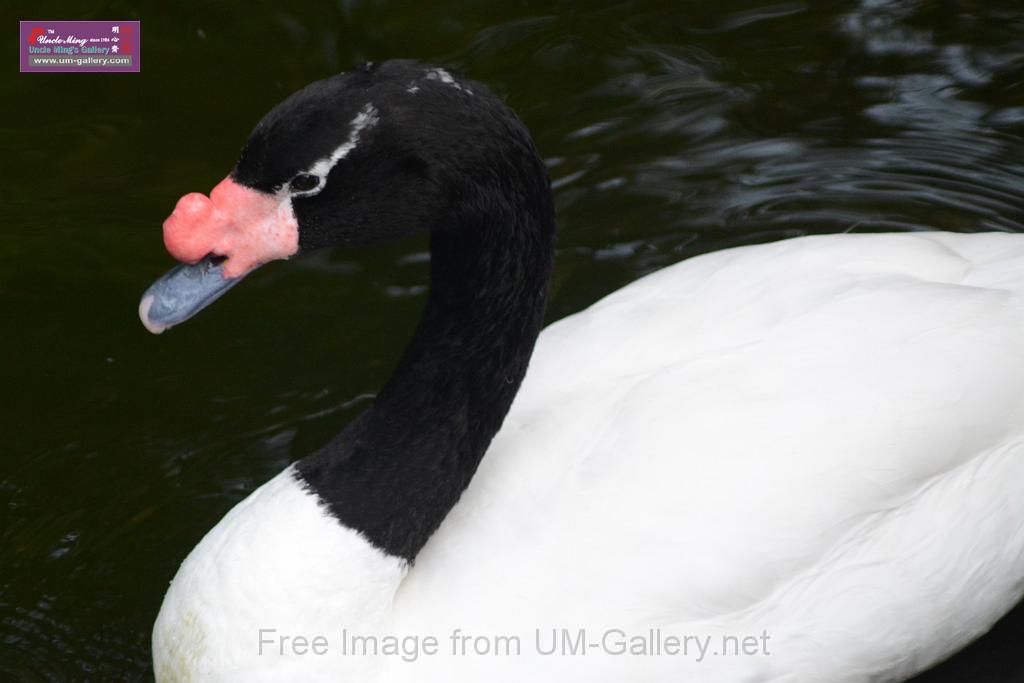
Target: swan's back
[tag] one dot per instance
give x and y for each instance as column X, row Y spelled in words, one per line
column 820, row 439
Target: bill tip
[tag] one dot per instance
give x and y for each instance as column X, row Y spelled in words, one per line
column 144, row 306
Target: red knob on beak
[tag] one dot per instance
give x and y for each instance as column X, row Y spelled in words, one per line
column 187, row 230
column 245, row 226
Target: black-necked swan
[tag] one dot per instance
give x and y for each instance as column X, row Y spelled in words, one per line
column 795, row 462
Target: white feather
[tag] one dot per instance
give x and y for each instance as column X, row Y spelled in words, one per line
column 820, row 440
column 277, row 565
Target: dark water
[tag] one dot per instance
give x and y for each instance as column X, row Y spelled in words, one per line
column 670, row 129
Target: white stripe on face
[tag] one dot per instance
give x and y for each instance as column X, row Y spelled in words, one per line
column 366, row 118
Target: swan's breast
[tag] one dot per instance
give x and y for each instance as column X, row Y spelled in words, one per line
column 277, row 567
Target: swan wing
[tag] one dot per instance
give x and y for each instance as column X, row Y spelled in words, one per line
column 820, row 440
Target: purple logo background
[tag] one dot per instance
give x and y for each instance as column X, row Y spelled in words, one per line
column 103, row 46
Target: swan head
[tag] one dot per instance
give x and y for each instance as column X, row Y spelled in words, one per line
column 358, row 158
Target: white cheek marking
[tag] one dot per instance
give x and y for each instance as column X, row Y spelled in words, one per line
column 365, row 119
column 446, row 78
column 413, row 89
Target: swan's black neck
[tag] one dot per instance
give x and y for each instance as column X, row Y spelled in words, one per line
column 396, row 471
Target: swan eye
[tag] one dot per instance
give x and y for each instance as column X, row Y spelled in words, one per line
column 304, row 182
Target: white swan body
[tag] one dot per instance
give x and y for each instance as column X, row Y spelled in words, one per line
column 819, row 440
